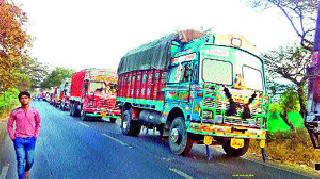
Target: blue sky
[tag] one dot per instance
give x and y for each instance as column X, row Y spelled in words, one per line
column 81, row 34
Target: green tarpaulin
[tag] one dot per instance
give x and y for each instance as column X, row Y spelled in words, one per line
column 156, row 54
column 153, row 55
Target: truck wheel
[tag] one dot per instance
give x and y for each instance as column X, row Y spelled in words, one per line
column 76, row 112
column 235, row 152
column 71, row 110
column 128, row 126
column 113, row 119
column 179, row 141
column 83, row 115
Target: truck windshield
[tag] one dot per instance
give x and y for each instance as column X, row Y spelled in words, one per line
column 111, row 89
column 250, row 67
column 217, row 71
column 97, row 87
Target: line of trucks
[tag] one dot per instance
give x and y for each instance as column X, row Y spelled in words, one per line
column 192, row 87
column 90, row 93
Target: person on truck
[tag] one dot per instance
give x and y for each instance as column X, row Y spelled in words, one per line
column 25, row 135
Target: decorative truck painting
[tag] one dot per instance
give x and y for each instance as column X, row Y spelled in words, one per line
column 195, row 88
column 64, row 94
column 92, row 94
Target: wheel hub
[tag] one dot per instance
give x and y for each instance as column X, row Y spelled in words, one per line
column 174, row 135
column 125, row 124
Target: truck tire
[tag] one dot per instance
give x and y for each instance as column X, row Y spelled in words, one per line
column 128, row 126
column 235, row 152
column 83, row 115
column 113, row 119
column 76, row 112
column 71, row 110
column 179, row 141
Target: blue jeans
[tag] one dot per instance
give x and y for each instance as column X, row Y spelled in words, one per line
column 24, row 148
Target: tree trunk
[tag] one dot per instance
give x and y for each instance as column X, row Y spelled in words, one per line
column 285, row 118
column 302, row 99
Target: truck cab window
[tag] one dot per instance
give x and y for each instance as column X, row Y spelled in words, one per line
column 195, row 73
column 174, row 76
column 185, row 72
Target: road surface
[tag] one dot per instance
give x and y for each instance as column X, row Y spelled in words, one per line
column 70, row 148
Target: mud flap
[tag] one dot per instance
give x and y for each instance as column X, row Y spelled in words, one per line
column 264, row 155
column 208, row 153
column 263, row 151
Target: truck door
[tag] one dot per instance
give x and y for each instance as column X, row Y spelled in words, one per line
column 179, row 85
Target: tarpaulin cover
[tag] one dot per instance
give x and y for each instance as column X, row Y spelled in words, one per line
column 153, row 55
column 156, row 54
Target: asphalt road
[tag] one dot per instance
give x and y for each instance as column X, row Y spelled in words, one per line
column 70, row 148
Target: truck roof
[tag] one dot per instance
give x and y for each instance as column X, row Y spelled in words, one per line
column 155, row 54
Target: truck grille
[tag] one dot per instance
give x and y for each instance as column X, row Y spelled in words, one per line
column 221, row 106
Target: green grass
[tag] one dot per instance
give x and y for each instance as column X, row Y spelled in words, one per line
column 276, row 124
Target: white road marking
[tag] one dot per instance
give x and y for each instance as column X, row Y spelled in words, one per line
column 84, row 124
column 115, row 139
column 4, row 172
column 180, row 173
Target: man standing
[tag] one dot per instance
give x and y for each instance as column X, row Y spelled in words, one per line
column 26, row 133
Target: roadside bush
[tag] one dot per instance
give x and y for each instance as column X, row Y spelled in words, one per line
column 8, row 100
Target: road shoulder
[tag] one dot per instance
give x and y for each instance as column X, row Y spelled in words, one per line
column 304, row 170
column 3, row 134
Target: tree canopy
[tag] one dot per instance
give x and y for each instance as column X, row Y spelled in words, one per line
column 54, row 78
column 301, row 14
column 13, row 44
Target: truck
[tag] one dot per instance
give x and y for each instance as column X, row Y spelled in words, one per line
column 93, row 94
column 53, row 94
column 64, row 94
column 47, row 96
column 56, row 97
column 312, row 117
column 195, row 87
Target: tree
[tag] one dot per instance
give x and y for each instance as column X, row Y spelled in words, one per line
column 34, row 70
column 275, row 90
column 301, row 14
column 55, row 77
column 289, row 102
column 13, row 43
column 290, row 62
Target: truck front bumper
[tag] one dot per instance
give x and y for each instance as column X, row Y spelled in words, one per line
column 104, row 113
column 226, row 131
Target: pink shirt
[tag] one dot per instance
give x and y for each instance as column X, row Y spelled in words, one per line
column 27, row 123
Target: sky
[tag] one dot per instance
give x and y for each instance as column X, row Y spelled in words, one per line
column 82, row 34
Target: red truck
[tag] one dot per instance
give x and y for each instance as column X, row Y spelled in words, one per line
column 53, row 95
column 93, row 94
column 64, row 94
